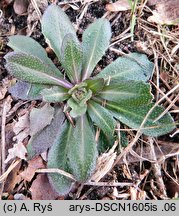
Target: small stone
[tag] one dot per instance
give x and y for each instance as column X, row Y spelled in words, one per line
column 20, row 6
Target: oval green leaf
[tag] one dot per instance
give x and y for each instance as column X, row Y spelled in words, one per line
column 132, row 92
column 46, row 137
column 102, row 118
column 44, row 115
column 55, row 26
column 134, row 66
column 95, row 85
column 72, row 57
column 83, row 150
column 58, row 158
column 133, row 116
column 31, row 69
column 26, row 91
column 54, row 94
column 95, row 42
column 25, row 44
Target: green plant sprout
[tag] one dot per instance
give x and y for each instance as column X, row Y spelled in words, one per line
column 133, row 6
column 76, row 106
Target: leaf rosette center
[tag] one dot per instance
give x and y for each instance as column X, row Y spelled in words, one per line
column 79, row 96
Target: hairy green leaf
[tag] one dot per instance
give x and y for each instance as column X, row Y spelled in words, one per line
column 55, row 94
column 58, row 158
column 72, row 57
column 133, row 116
column 31, row 69
column 83, row 150
column 29, row 46
column 105, row 142
column 102, row 117
column 26, row 91
column 55, row 26
column 95, row 42
column 35, row 90
column 95, row 85
column 44, row 115
column 132, row 92
column 78, row 109
column 43, row 140
column 134, row 66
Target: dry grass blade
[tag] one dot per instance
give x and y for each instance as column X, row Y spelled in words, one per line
column 62, row 172
column 156, row 167
column 167, row 109
column 111, row 184
column 34, row 3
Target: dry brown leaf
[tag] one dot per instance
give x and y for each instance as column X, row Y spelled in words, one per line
column 9, row 134
column 33, row 165
column 22, row 123
column 18, row 150
column 153, row 2
column 133, row 193
column 13, row 179
column 5, row 83
column 2, row 92
column 21, row 130
column 20, row 6
column 121, row 5
column 104, row 164
column 167, row 12
column 41, row 189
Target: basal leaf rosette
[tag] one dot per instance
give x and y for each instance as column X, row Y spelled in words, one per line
column 120, row 92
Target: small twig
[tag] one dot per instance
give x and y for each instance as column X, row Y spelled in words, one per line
column 166, row 110
column 140, row 157
column 161, row 92
column 117, row 51
column 157, row 72
column 39, row 14
column 156, row 167
column 166, row 59
column 3, row 138
column 11, row 167
column 57, row 171
column 1, row 13
column 121, row 39
column 176, row 132
column 176, row 182
column 120, row 36
column 76, row 1
column 86, row 193
column 12, row 112
column 109, row 184
column 144, row 128
column 118, row 126
column 164, row 44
